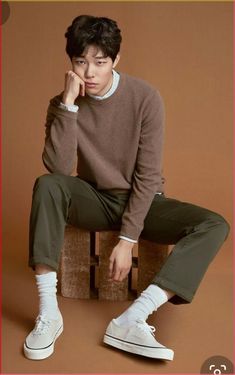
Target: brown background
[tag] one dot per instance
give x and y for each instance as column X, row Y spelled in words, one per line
column 185, row 50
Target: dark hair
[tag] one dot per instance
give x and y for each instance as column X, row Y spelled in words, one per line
column 89, row 30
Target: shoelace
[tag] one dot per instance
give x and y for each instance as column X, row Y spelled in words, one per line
column 41, row 326
column 143, row 326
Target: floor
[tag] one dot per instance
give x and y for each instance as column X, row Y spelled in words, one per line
column 195, row 331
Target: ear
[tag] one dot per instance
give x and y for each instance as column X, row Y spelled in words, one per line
column 116, row 60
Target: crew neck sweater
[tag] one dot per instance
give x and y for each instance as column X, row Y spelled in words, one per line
column 74, row 108
column 116, row 142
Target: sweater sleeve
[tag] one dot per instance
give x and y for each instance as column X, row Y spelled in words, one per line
column 147, row 178
column 60, row 149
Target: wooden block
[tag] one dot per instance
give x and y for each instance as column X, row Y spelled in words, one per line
column 83, row 251
column 113, row 291
column 75, row 263
column 151, row 257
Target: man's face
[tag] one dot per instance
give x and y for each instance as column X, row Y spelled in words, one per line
column 95, row 70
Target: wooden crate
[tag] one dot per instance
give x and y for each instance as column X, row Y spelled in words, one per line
column 85, row 261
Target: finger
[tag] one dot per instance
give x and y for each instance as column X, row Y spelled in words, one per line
column 83, row 88
column 114, row 271
column 116, row 275
column 123, row 275
column 111, row 267
column 71, row 73
column 126, row 272
column 81, row 84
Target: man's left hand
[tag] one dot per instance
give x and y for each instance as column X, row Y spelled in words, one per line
column 120, row 261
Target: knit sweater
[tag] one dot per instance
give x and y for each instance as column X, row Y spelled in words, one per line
column 117, row 143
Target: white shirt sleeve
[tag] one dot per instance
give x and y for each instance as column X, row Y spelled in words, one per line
column 70, row 107
column 127, row 239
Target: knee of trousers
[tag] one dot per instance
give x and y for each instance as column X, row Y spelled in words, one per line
column 48, row 184
column 216, row 222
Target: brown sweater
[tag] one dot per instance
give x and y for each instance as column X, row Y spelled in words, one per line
column 116, row 142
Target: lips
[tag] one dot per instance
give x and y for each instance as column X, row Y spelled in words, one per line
column 90, row 84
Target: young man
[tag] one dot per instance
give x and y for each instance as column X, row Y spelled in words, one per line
column 111, row 125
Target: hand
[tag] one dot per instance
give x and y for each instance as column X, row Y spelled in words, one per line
column 73, row 86
column 120, row 261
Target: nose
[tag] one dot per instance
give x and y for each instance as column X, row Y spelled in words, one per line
column 89, row 72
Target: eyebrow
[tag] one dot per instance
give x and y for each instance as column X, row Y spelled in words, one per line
column 96, row 57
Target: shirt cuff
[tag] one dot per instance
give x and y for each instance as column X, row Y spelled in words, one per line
column 127, row 239
column 69, row 107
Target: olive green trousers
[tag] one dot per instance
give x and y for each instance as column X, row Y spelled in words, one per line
column 196, row 232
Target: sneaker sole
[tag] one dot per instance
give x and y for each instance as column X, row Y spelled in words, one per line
column 37, row 354
column 158, row 353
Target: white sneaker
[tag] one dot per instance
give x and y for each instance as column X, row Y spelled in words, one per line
column 138, row 339
column 39, row 344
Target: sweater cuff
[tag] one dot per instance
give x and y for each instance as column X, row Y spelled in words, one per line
column 130, row 231
column 59, row 111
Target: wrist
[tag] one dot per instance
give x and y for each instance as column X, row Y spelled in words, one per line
column 67, row 100
column 127, row 244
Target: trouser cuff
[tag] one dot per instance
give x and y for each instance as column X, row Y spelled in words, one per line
column 181, row 295
column 43, row 260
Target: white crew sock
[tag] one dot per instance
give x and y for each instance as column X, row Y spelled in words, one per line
column 46, row 284
column 148, row 302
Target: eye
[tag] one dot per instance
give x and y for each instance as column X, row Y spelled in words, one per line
column 101, row 62
column 80, row 62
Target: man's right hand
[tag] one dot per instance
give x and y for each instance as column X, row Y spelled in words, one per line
column 73, row 87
